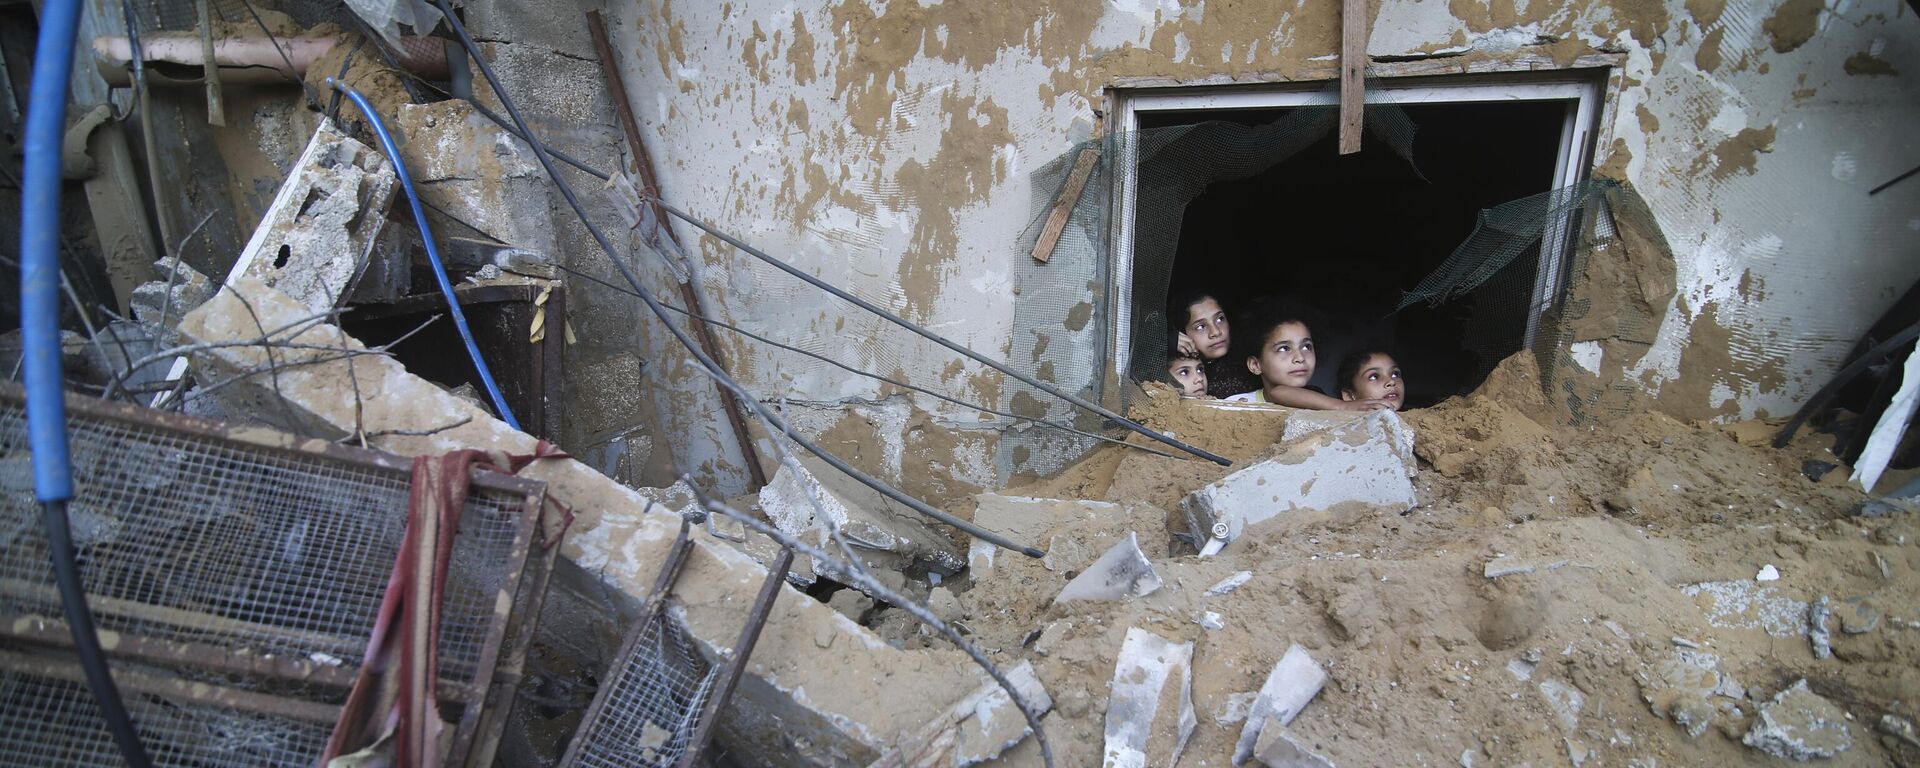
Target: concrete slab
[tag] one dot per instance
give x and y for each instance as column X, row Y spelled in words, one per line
column 1365, row 460
column 802, row 702
column 887, row 535
column 1292, row 683
column 322, row 222
column 1150, row 708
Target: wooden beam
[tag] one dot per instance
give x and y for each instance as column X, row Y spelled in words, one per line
column 1063, row 204
column 1353, row 70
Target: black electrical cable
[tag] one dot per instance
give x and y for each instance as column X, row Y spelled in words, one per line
column 937, row 338
column 653, row 304
column 540, row 147
column 86, row 639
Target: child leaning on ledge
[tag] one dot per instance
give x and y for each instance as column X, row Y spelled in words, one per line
column 1284, row 362
column 1372, row 375
column 1185, row 368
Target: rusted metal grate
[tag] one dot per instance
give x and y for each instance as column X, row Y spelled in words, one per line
column 248, row 560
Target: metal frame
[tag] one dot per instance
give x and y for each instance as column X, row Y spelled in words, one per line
column 1582, row 89
column 516, row 602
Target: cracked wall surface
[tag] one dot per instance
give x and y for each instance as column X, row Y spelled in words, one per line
column 887, row 148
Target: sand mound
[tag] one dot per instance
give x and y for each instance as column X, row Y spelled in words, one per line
column 1639, row 541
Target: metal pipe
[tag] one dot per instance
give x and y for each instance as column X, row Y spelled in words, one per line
column 433, row 252
column 653, row 305
column 240, row 59
column 40, row 323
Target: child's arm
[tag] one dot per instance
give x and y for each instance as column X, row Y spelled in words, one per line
column 1300, row 397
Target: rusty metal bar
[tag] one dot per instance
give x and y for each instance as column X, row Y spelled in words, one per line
column 617, row 88
column 742, row 650
column 175, row 688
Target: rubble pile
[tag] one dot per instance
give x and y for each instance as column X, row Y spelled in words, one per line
column 1542, row 595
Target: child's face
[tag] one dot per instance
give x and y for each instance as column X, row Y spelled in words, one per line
column 1286, row 358
column 1207, row 327
column 1186, row 371
column 1378, row 379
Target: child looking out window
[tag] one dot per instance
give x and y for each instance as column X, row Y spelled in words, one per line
column 1206, row 334
column 1372, row 375
column 1284, row 361
column 1184, row 366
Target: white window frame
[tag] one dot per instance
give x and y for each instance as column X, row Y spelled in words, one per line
column 1581, row 91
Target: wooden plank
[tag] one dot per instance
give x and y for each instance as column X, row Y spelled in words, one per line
column 1064, row 203
column 1353, row 70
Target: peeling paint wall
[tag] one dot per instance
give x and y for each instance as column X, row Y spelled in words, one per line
column 887, row 147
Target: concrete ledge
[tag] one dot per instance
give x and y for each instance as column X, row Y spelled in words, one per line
column 820, row 690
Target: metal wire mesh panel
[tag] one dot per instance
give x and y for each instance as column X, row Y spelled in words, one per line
column 46, row 721
column 253, row 565
column 188, row 538
column 651, row 703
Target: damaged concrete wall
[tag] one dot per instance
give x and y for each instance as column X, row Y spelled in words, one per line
column 888, row 148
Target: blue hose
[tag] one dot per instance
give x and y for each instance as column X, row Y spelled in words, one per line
column 40, row 325
column 433, row 253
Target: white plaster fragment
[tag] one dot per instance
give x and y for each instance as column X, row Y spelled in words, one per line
column 1147, row 667
column 1122, row 572
column 1294, row 681
column 1587, row 355
column 1844, row 167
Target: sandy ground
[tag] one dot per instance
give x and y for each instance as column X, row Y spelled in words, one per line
column 1430, row 662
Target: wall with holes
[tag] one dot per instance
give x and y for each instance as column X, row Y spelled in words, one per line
column 888, row 148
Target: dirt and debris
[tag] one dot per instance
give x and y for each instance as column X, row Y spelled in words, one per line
column 1636, row 635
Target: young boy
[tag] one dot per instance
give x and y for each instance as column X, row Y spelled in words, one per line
column 1284, row 362
column 1372, row 375
column 1205, row 333
column 1184, row 367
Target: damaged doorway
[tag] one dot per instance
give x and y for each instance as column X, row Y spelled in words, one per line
column 1345, row 236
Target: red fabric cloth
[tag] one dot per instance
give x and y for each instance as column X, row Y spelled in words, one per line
column 403, row 655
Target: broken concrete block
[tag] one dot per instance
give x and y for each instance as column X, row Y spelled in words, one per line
column 323, row 222
column 978, row 728
column 1120, row 573
column 887, row 536
column 1294, row 681
column 1278, row 748
column 179, row 290
column 1363, row 461
column 1818, row 634
column 469, row 167
column 1800, row 725
column 1026, row 519
column 1301, row 423
column 1150, row 709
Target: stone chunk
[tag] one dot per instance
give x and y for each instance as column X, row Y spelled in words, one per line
column 1294, row 681
column 1120, row 573
column 1150, row 710
column 1277, row 748
column 1858, row 617
column 1818, row 633
column 887, row 537
column 326, row 215
column 1367, row 461
column 1800, row 725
